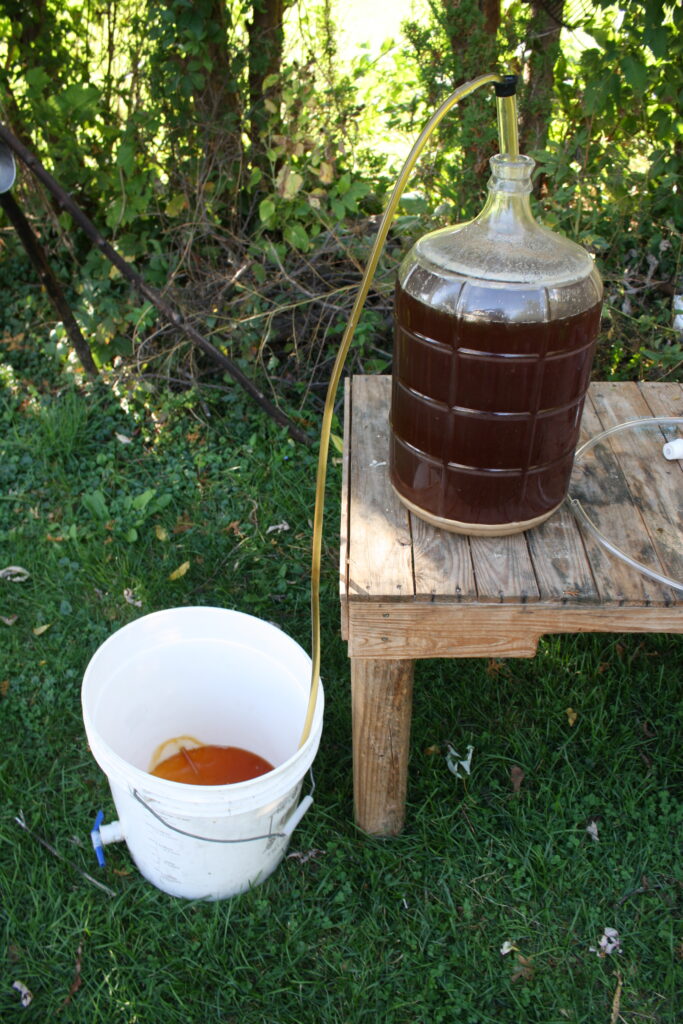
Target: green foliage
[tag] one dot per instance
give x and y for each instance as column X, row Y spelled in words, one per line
column 452, row 48
column 209, row 159
column 613, row 163
column 304, row 187
column 152, row 123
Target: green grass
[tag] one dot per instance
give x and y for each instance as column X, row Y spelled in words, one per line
column 404, row 930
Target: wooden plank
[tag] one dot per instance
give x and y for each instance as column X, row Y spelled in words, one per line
column 664, row 399
column 503, row 569
column 442, row 563
column 379, row 545
column 654, row 484
column 599, row 484
column 562, row 569
column 344, row 517
column 442, row 629
column 381, row 693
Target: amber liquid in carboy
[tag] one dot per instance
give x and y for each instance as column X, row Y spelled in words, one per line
column 485, row 416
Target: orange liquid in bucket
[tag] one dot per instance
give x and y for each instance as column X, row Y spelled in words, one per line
column 212, row 765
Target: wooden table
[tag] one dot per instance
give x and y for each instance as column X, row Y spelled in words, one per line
column 411, row 591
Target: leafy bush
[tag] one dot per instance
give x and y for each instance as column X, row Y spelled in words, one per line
column 246, row 177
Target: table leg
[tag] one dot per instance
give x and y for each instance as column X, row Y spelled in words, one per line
column 381, row 699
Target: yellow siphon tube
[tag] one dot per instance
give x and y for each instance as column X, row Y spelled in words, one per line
column 507, row 128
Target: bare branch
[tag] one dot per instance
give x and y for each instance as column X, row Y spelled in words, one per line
column 68, row 203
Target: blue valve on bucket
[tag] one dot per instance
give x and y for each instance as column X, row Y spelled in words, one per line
column 97, row 839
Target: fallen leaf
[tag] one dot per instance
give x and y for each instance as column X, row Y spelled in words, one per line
column 9, row 620
column 305, row 855
column 26, row 994
column 516, row 778
column 39, row 630
column 525, row 969
column 571, row 716
column 131, row 598
column 4, row 687
column 123, row 438
column 14, row 574
column 180, row 571
column 592, row 830
column 77, row 981
column 434, row 749
column 609, row 943
column 278, row 527
column 494, row 666
column 507, row 947
column 455, row 762
column 160, row 532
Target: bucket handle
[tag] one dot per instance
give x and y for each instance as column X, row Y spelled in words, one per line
column 289, row 827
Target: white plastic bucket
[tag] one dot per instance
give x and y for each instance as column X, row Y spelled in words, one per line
column 228, row 679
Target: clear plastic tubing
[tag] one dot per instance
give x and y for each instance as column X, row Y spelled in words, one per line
column 584, row 518
column 508, row 129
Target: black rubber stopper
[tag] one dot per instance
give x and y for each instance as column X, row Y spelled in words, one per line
column 507, row 87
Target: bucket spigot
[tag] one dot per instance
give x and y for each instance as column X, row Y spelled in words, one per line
column 101, row 835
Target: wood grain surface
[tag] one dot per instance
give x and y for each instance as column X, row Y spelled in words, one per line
column 558, row 572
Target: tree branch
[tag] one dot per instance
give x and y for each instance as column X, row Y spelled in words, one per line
column 68, row 203
column 38, row 257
